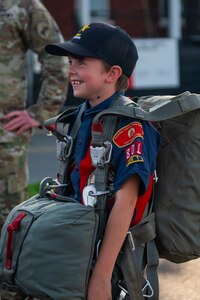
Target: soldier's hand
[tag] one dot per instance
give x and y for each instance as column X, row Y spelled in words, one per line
column 18, row 121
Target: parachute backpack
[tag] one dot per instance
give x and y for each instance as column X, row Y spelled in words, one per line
column 177, row 191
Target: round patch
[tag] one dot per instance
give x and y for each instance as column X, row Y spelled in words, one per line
column 43, row 30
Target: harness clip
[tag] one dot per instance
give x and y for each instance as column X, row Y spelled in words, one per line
column 148, row 286
column 64, row 148
column 101, row 155
column 130, row 237
column 123, row 292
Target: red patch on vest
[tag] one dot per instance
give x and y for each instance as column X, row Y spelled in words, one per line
column 127, row 134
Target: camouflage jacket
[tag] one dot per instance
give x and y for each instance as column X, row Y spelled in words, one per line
column 26, row 24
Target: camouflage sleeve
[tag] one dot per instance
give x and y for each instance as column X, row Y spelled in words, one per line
column 41, row 30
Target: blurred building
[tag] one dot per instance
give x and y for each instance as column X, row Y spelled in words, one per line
column 167, row 34
column 140, row 18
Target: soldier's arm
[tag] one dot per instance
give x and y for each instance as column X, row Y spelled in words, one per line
column 40, row 31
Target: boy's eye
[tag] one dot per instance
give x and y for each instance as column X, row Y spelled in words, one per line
column 81, row 62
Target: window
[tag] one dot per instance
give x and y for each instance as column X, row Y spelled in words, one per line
column 92, row 11
column 100, row 10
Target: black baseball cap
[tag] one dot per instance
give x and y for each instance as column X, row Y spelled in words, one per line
column 100, row 40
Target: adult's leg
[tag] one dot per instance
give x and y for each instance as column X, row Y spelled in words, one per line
column 13, row 177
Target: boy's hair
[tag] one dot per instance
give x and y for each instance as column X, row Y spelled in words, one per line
column 122, row 82
column 103, row 41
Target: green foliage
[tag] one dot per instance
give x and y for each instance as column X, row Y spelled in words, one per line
column 33, row 189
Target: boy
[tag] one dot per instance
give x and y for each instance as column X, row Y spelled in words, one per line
column 101, row 59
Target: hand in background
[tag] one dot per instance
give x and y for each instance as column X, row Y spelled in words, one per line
column 19, row 121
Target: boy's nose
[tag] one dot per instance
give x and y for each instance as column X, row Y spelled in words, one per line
column 71, row 68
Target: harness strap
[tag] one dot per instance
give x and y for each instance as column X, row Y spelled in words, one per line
column 64, row 164
column 152, row 266
column 181, row 104
column 105, row 129
column 151, row 253
column 132, row 275
column 131, row 261
column 102, row 132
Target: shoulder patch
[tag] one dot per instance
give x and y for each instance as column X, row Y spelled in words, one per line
column 127, row 134
column 43, row 29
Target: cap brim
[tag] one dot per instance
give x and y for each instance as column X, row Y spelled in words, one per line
column 68, row 48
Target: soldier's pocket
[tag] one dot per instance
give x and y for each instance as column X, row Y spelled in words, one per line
column 16, row 183
column 14, row 169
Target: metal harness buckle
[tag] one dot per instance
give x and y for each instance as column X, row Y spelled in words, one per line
column 47, row 184
column 123, row 292
column 101, row 155
column 90, row 195
column 148, row 285
column 155, row 178
column 64, row 148
column 130, row 237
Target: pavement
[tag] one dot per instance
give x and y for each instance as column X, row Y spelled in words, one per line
column 177, row 282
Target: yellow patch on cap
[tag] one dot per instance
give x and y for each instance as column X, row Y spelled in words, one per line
column 82, row 30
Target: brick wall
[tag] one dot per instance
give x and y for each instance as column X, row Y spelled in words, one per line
column 137, row 17
column 63, row 12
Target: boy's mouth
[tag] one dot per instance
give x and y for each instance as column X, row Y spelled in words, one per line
column 76, row 82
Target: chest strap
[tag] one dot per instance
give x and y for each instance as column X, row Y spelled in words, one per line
column 60, row 127
column 67, row 145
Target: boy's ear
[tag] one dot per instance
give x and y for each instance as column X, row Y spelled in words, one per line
column 114, row 73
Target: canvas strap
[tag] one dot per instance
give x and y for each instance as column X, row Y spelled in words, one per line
column 132, row 260
column 101, row 133
column 180, row 104
column 64, row 164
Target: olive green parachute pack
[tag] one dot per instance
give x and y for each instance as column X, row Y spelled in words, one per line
column 176, row 196
column 177, row 191
column 50, row 242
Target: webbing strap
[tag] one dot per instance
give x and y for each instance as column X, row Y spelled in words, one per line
column 132, row 261
column 64, row 165
column 152, row 265
column 143, row 231
column 132, row 265
column 105, row 130
column 132, row 275
column 151, row 254
column 178, row 106
column 77, row 122
column 101, row 173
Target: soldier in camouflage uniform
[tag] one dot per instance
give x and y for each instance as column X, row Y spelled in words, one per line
column 24, row 25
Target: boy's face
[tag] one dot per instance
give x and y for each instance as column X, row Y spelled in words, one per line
column 88, row 78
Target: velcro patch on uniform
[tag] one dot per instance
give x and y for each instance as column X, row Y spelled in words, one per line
column 134, row 153
column 127, row 134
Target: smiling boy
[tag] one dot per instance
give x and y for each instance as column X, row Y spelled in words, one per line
column 101, row 59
